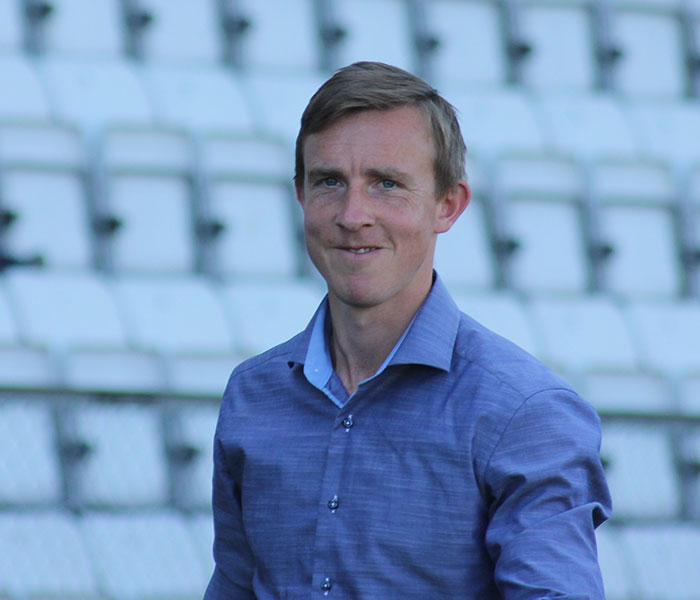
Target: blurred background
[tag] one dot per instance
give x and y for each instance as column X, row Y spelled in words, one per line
column 150, row 241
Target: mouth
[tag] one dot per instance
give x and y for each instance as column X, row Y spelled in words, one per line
column 363, row 250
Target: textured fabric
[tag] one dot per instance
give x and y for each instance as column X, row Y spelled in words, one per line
column 466, row 469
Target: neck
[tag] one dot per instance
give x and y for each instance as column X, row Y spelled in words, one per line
column 363, row 338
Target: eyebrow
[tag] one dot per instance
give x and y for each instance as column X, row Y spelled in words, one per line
column 379, row 173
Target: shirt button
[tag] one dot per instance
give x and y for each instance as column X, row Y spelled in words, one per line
column 348, row 422
column 333, row 503
column 326, row 584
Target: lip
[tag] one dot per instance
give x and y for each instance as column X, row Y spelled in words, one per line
column 358, row 252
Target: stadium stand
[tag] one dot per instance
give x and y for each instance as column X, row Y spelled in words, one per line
column 150, row 241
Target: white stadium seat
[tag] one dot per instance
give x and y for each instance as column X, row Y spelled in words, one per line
column 201, row 98
column 611, row 557
column 471, row 50
column 76, row 27
column 636, row 213
column 663, row 559
column 116, row 470
column 11, row 34
column 385, row 37
column 202, row 529
column 144, row 555
column 502, row 313
column 266, row 314
column 649, row 69
column 463, row 254
column 189, row 436
column 668, row 131
column 640, row 471
column 282, row 36
column 667, row 334
column 74, row 317
column 44, row 556
column 583, row 333
column 43, row 186
column 93, row 92
column 29, row 468
column 496, row 121
column 182, row 320
column 589, row 126
column 541, row 211
column 561, row 37
column 278, row 100
column 28, row 99
column 181, row 31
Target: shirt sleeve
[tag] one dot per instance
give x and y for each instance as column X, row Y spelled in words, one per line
column 233, row 574
column 547, row 495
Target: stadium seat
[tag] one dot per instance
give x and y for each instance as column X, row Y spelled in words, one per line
column 76, row 27
column 463, row 254
column 583, row 333
column 181, row 319
column 21, row 365
column 634, row 392
column 611, row 557
column 147, row 193
column 266, row 314
column 640, row 470
column 115, row 456
column 275, row 25
column 43, row 556
column 202, row 530
column 561, row 37
column 664, row 560
column 73, row 316
column 590, row 126
column 502, row 313
column 278, row 100
column 540, row 215
column 29, row 470
column 471, row 50
column 636, row 213
column 144, row 555
column 385, row 36
column 11, row 34
column 200, row 98
column 43, row 189
column 189, row 436
column 668, row 131
column 645, row 69
column 93, row 92
column 667, row 334
column 28, row 100
column 498, row 121
column 250, row 202
column 689, row 394
column 184, row 32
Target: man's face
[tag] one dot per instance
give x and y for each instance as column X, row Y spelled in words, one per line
column 370, row 211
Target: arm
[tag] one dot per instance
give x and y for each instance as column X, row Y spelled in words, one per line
column 233, row 575
column 548, row 494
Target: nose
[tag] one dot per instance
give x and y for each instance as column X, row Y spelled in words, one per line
column 355, row 210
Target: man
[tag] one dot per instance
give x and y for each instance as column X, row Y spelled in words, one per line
column 396, row 448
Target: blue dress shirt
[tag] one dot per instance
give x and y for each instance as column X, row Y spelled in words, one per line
column 463, row 468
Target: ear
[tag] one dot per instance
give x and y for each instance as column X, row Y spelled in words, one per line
column 299, row 189
column 451, row 206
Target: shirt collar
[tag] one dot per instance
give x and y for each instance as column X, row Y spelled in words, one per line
column 429, row 339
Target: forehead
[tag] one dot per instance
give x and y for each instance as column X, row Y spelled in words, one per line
column 396, row 132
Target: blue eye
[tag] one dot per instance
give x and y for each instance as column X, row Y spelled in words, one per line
column 388, row 184
column 330, row 181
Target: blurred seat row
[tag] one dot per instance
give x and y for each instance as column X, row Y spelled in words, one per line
column 87, row 331
column 89, row 511
column 159, row 201
column 483, row 42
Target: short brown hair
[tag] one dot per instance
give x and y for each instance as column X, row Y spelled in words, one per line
column 377, row 86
